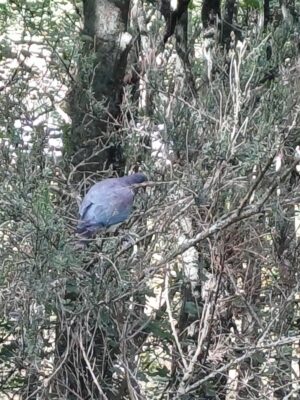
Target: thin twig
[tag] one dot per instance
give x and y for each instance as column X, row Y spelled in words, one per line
column 91, row 369
column 171, row 321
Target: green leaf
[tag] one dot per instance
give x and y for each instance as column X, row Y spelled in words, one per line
column 158, row 330
column 162, row 372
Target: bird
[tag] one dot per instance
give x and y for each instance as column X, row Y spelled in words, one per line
column 107, row 203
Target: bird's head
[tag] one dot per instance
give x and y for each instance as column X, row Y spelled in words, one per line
column 135, row 178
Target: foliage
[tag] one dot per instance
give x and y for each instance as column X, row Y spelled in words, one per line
column 201, row 284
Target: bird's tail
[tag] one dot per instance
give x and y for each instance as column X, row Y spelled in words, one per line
column 83, row 236
column 81, row 229
column 87, row 231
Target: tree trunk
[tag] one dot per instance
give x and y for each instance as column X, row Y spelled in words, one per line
column 97, row 94
column 181, row 33
column 266, row 12
column 210, row 9
column 172, row 14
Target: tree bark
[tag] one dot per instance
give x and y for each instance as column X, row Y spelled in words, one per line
column 230, row 14
column 172, row 15
column 181, row 33
column 97, row 94
column 210, row 9
column 266, row 12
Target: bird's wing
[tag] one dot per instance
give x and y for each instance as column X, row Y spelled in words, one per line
column 95, row 195
column 106, row 204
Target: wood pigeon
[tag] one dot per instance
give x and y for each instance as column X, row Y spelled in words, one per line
column 107, row 203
